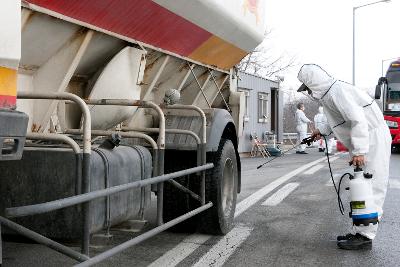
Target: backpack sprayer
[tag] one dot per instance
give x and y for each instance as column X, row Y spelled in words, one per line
column 362, row 207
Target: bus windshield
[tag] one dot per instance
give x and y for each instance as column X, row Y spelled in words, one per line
column 392, row 96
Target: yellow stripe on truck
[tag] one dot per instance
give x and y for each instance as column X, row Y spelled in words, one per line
column 8, row 82
column 8, row 88
column 215, row 51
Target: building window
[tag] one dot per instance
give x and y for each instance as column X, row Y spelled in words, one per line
column 246, row 104
column 262, row 107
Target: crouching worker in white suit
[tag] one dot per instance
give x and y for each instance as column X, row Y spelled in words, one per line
column 320, row 120
column 356, row 120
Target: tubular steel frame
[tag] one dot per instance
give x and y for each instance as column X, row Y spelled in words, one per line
column 176, row 131
column 203, row 145
column 219, row 90
column 87, row 147
column 83, row 198
column 158, row 154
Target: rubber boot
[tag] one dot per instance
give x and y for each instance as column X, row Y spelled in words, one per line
column 355, row 242
column 344, row 237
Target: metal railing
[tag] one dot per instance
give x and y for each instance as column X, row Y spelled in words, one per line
column 87, row 146
column 84, row 198
column 183, row 132
column 203, row 146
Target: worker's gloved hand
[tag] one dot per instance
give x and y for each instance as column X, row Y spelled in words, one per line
column 307, row 140
column 358, row 160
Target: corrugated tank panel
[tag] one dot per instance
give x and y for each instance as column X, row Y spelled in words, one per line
column 181, row 141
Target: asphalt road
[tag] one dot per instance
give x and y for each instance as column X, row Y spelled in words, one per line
column 287, row 215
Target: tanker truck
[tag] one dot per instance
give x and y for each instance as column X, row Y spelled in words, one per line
column 108, row 104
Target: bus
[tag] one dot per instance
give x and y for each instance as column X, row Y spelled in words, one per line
column 388, row 90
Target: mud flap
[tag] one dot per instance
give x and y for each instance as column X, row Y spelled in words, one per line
column 12, row 134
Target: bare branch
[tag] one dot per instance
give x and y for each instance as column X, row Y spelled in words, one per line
column 260, row 61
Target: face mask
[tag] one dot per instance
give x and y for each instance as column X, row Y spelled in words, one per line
column 303, row 89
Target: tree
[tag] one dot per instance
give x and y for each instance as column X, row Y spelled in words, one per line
column 264, row 62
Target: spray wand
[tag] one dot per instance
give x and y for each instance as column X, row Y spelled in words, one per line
column 307, row 141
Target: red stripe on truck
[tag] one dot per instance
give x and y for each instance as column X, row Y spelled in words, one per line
column 8, row 102
column 142, row 20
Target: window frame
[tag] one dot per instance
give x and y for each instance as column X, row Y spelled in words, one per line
column 263, row 107
column 246, row 116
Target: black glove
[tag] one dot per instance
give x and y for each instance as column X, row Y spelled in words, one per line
column 308, row 140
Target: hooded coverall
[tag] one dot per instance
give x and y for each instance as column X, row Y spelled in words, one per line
column 356, row 120
column 301, row 128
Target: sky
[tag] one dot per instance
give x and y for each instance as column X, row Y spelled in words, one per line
column 320, row 31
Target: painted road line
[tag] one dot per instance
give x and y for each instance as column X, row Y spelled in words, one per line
column 220, row 252
column 183, row 248
column 280, row 195
column 181, row 251
column 394, row 184
column 335, row 177
column 329, row 182
column 313, row 169
column 341, row 153
column 332, row 159
column 258, row 195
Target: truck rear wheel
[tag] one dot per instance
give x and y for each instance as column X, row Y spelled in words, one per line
column 176, row 202
column 221, row 190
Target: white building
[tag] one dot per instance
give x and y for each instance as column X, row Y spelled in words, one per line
column 263, row 110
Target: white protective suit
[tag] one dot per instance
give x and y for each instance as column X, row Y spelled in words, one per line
column 356, row 120
column 321, row 121
column 301, row 128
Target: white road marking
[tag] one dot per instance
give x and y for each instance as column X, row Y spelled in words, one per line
column 332, row 159
column 313, row 169
column 170, row 259
column 220, row 252
column 394, row 184
column 335, row 176
column 181, row 251
column 280, row 195
column 258, row 195
column 329, row 182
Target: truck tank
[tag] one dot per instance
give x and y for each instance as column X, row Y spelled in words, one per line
column 64, row 40
column 213, row 32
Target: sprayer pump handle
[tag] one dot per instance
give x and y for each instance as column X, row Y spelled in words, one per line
column 358, row 169
column 367, row 175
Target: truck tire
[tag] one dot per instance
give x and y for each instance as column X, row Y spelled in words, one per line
column 221, row 190
column 176, row 202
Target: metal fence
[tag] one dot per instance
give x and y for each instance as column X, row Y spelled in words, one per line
column 86, row 196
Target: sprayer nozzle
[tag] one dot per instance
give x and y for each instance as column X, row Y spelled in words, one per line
column 358, row 169
column 308, row 140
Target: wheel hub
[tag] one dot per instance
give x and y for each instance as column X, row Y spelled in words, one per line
column 227, row 185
